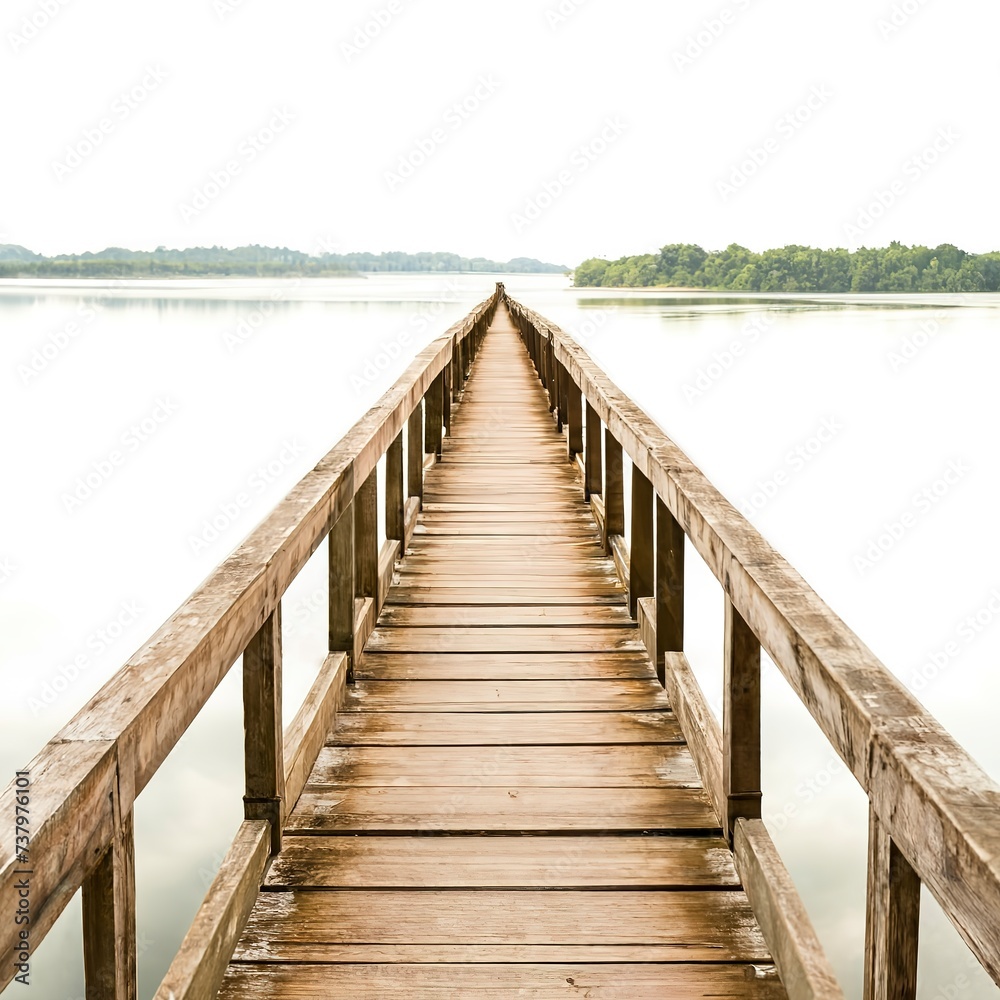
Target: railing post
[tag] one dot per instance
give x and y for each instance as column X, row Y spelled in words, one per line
column 446, row 397
column 109, row 938
column 435, row 416
column 394, row 507
column 593, row 462
column 574, row 414
column 265, row 763
column 669, row 587
column 893, row 919
column 614, row 490
column 559, row 402
column 640, row 569
column 415, row 451
column 366, row 538
column 740, row 722
column 341, row 582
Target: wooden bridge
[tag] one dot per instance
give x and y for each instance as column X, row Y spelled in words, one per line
column 505, row 780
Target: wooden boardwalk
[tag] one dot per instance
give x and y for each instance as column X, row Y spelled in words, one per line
column 507, row 806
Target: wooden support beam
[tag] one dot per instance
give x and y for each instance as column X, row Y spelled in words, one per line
column 434, row 402
column 641, row 561
column 669, row 586
column 594, row 460
column 574, row 417
column 341, row 586
column 614, row 490
column 415, row 451
column 109, row 938
column 893, row 919
column 446, row 376
column 740, row 722
column 263, row 734
column 366, row 538
column 394, row 499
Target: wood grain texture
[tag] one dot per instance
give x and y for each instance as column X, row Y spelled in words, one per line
column 926, row 790
column 501, row 982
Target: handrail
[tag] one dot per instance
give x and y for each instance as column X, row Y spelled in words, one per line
column 84, row 781
column 934, row 813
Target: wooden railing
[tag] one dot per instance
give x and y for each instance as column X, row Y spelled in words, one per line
column 85, row 780
column 934, row 814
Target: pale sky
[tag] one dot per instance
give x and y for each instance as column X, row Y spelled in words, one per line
column 557, row 129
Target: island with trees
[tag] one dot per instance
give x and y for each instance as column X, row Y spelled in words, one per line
column 895, row 268
column 249, row 261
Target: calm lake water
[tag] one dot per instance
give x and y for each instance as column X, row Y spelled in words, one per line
column 150, row 426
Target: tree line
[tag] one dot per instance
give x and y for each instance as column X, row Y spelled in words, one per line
column 895, row 268
column 248, row 261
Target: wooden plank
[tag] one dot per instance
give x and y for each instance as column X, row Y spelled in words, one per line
column 197, row 971
column 614, row 489
column 501, row 640
column 641, row 542
column 506, row 696
column 394, row 499
column 389, row 808
column 415, row 451
column 500, row 982
column 892, row 919
column 740, row 721
column 798, row 954
column 613, row 766
column 669, row 586
column 594, row 462
column 109, row 936
column 341, row 583
column 434, row 401
column 512, row 666
column 474, row 614
column 498, row 729
column 892, row 745
column 457, row 862
column 663, row 926
column 263, row 737
column 415, row 593
column 316, row 717
column 366, row 538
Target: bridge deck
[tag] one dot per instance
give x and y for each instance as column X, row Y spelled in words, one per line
column 507, row 806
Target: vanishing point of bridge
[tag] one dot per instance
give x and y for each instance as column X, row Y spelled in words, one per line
column 506, row 781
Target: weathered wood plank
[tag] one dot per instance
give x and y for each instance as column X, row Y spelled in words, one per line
column 631, row 765
column 804, row 970
column 541, row 639
column 422, row 810
column 514, row 729
column 500, row 982
column 668, row 926
column 457, row 862
column 511, row 666
column 197, row 971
